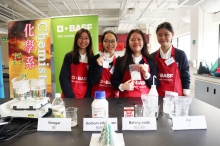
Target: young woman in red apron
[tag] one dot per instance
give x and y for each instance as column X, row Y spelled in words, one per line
column 74, row 71
column 102, row 66
column 136, row 53
column 173, row 67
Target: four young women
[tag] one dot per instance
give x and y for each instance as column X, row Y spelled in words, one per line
column 111, row 73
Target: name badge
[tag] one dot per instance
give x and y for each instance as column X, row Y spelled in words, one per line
column 54, row 124
column 190, row 122
column 96, row 124
column 169, row 61
column 139, row 123
column 105, row 64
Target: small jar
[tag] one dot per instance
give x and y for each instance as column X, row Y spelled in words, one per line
column 166, row 105
column 100, row 105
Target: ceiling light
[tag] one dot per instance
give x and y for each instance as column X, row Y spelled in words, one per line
column 54, row 7
column 188, row 3
column 130, row 10
column 77, row 7
column 66, row 6
column 127, row 24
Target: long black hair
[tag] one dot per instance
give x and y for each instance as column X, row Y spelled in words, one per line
column 75, row 52
column 103, row 37
column 166, row 25
column 127, row 58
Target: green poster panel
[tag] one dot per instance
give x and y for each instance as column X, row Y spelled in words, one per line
column 64, row 30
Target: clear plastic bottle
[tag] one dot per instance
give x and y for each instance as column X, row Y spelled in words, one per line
column 100, row 105
column 153, row 100
column 58, row 107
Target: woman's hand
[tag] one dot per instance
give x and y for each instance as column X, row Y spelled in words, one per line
column 100, row 61
column 144, row 69
column 128, row 85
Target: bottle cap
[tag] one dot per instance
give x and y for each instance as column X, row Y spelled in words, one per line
column 57, row 95
column 99, row 94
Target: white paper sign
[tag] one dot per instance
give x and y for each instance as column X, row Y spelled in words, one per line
column 96, row 124
column 190, row 122
column 95, row 140
column 169, row 61
column 54, row 124
column 139, row 123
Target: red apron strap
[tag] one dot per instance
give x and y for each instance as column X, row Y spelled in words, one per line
column 114, row 60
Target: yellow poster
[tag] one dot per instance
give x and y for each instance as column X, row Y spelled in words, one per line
column 30, row 51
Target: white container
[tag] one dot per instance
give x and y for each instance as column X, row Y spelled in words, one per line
column 58, row 107
column 153, row 101
column 100, row 105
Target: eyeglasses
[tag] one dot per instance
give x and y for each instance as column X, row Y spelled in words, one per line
column 109, row 41
column 85, row 39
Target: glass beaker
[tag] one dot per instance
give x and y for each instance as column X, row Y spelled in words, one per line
column 167, row 103
column 71, row 112
column 180, row 106
column 38, row 88
column 21, row 88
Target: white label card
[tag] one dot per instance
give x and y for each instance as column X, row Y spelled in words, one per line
column 169, row 61
column 139, row 123
column 96, row 124
column 54, row 124
column 135, row 75
column 190, row 122
column 105, row 64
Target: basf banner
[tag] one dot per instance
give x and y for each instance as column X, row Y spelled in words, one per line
column 29, row 50
column 64, row 30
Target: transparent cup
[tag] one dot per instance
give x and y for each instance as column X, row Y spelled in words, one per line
column 180, row 106
column 138, row 110
column 21, row 88
column 167, row 103
column 71, row 112
column 38, row 88
column 150, row 104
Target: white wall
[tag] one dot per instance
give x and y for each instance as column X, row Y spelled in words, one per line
column 210, row 38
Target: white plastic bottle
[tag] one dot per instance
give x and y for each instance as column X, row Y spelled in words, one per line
column 58, row 107
column 153, row 100
column 100, row 105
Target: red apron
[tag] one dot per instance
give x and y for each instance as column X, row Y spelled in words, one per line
column 105, row 83
column 140, row 86
column 78, row 79
column 169, row 76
